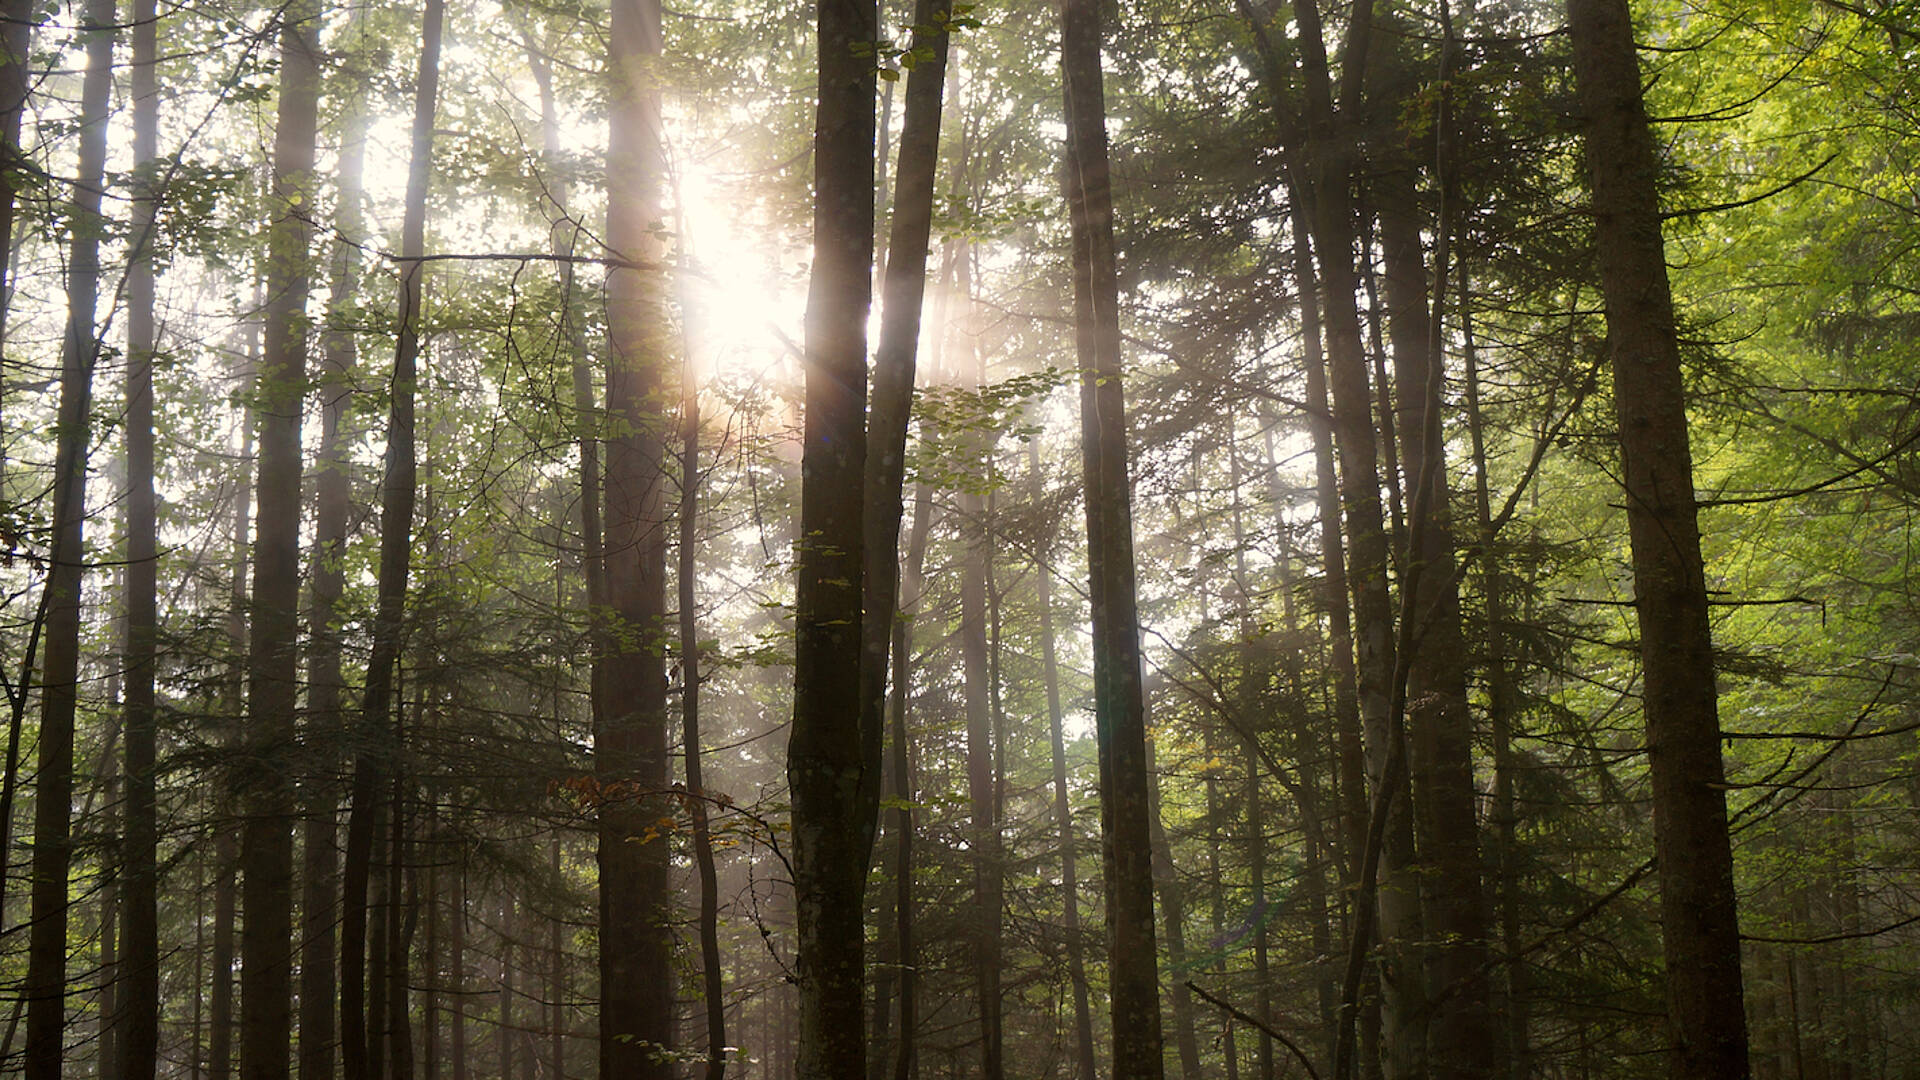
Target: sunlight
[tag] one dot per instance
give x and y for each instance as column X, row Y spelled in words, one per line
column 743, row 291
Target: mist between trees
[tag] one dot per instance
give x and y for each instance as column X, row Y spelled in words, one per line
column 1241, row 539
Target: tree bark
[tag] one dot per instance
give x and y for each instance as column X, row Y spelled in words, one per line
column 45, row 989
column 16, row 39
column 320, row 909
column 1699, row 917
column 716, row 1003
column 1119, row 703
column 266, row 869
column 832, row 764
column 363, row 1021
column 1514, row 1005
column 138, row 1022
column 1173, row 911
column 903, row 292
column 1062, row 805
column 630, row 747
column 1440, row 728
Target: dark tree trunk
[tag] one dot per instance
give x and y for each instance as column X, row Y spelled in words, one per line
column 1330, row 197
column 226, row 860
column 457, row 974
column 715, row 1000
column 630, row 746
column 984, row 847
column 903, row 1064
column 1514, row 1005
column 16, row 33
column 832, row 764
column 45, row 990
column 903, row 292
column 1699, row 917
column 138, row 1023
column 1173, row 911
column 1062, row 806
column 319, row 991
column 363, row 1021
column 266, row 936
column 1119, row 703
column 557, row 979
column 402, row 906
column 1440, row 728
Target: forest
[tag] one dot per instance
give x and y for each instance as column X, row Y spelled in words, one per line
column 919, row 540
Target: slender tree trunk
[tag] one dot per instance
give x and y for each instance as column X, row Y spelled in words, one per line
column 1699, row 916
column 320, row 908
column 45, row 990
column 402, row 908
column 1217, row 894
column 363, row 1021
column 107, row 1037
column 379, row 899
column 557, row 979
column 1514, row 1005
column 1119, row 703
column 716, row 1002
column 503, row 1028
column 630, row 747
column 457, row 974
column 1173, row 910
column 984, row 827
column 1062, row 806
column 903, row 1064
column 431, row 986
column 903, row 292
column 226, row 862
column 139, row 995
column 266, row 939
column 832, row 764
column 1440, row 728
column 1396, row 895
column 16, row 33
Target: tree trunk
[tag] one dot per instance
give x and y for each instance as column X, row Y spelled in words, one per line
column 457, row 974
column 1173, row 911
column 903, row 293
column 716, row 1003
column 1062, row 807
column 138, row 1022
column 832, row 764
column 1500, row 718
column 557, row 978
column 226, row 860
column 361, row 1020
column 16, row 34
column 1699, row 917
column 1119, row 703
column 630, row 746
column 903, row 1065
column 1396, row 896
column 319, row 988
column 45, row 989
column 266, row 938
column 1440, row 727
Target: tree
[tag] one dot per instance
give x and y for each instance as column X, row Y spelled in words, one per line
column 1119, row 702
column 138, row 1025
column 46, row 988
column 375, row 765
column 266, row 936
column 832, row 765
column 630, row 751
column 1700, row 929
